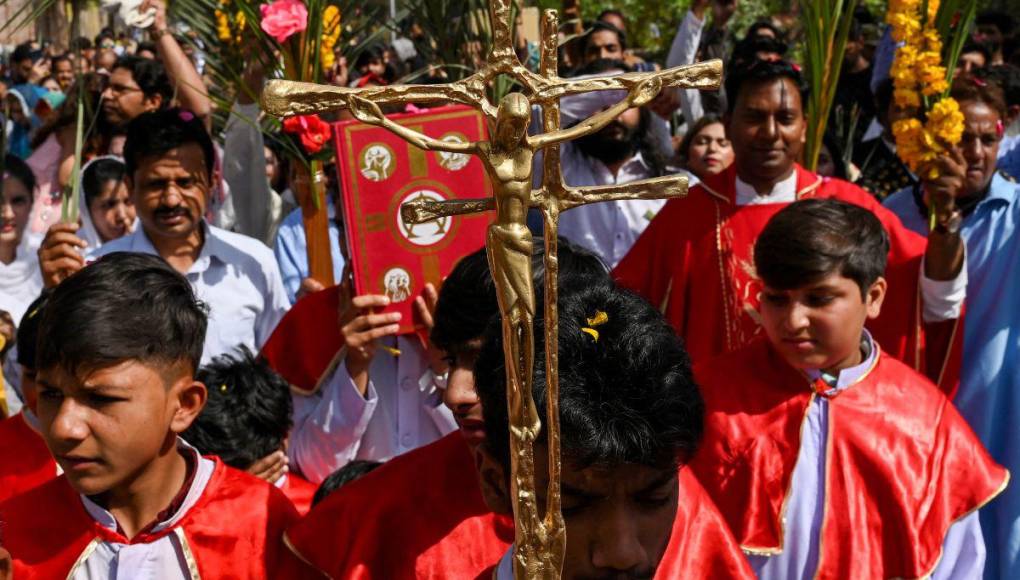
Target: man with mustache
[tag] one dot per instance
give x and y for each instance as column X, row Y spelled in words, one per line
column 630, row 148
column 696, row 262
column 169, row 159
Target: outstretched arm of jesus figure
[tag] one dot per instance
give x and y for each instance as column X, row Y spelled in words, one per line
column 655, row 188
column 369, row 112
column 638, row 96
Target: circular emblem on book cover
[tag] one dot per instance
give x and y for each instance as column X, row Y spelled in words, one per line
column 453, row 161
column 425, row 233
column 396, row 284
column 377, row 162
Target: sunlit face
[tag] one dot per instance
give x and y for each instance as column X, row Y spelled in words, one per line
column 618, row 519
column 124, row 100
column 63, row 70
column 51, row 85
column 170, row 192
column 969, row 62
column 979, row 145
column 819, row 325
column 460, row 394
column 767, row 129
column 603, row 44
column 15, row 206
column 23, row 70
column 272, row 165
column 710, row 151
column 106, row 427
column 113, row 211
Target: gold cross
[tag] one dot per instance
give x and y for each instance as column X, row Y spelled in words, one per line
column 508, row 156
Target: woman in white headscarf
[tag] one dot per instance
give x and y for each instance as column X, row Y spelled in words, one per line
column 20, row 277
column 107, row 211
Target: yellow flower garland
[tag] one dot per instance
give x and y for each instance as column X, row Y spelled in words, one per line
column 330, row 36
column 917, row 71
column 229, row 29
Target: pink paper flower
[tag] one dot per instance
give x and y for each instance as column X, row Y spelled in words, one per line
column 283, row 18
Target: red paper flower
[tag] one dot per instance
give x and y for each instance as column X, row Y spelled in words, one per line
column 313, row 131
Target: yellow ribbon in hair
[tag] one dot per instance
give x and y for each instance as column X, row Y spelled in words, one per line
column 599, row 319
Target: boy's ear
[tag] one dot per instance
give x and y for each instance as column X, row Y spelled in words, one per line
column 6, row 566
column 191, row 396
column 494, row 480
column 875, row 296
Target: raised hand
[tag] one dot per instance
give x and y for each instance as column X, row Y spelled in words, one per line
column 59, row 254
column 361, row 327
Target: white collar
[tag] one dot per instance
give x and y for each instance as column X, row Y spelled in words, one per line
column 783, row 192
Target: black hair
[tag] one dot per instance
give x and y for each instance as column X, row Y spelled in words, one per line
column 248, row 413
column 756, row 71
column 610, row 12
column 157, row 132
column 974, row 88
column 599, row 26
column 752, row 31
column 692, row 132
column 24, row 51
column 1007, row 77
column 836, row 153
column 126, row 306
column 981, row 47
column 370, row 53
column 626, row 397
column 146, row 46
column 79, row 44
column 18, row 169
column 28, row 330
column 61, row 58
column 997, row 18
column 98, row 174
column 467, row 300
column 813, row 238
column 150, row 76
column 342, row 477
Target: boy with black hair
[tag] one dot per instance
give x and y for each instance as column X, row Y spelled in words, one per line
column 27, row 462
column 121, row 340
column 247, row 418
column 695, row 259
column 631, row 506
column 827, row 457
column 341, row 477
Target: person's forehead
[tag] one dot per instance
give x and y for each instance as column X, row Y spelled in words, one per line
column 778, row 93
column 604, row 37
column 186, row 158
column 604, row 480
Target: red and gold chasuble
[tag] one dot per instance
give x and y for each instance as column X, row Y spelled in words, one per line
column 695, row 261
column 902, row 465
column 235, row 530
column 25, row 461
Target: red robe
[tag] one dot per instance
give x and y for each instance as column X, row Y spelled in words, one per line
column 300, row 492
column 695, row 261
column 306, row 340
column 25, row 461
column 422, row 516
column 235, row 530
column 902, row 465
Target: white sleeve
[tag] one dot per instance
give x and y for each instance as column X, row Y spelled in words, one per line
column 963, row 551
column 328, row 432
column 244, row 162
column 683, row 51
column 276, row 303
column 943, row 299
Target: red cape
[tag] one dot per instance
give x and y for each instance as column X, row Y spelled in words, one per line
column 306, row 340
column 26, row 461
column 300, row 492
column 234, row 531
column 422, row 516
column 695, row 261
column 902, row 464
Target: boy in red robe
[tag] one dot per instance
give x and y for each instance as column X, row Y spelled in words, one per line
column 829, row 458
column 430, row 497
column 694, row 261
column 116, row 388
column 27, row 462
column 246, row 421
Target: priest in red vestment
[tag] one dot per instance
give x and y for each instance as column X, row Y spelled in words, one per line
column 116, row 388
column 694, row 261
column 423, row 514
column 26, row 462
column 829, row 458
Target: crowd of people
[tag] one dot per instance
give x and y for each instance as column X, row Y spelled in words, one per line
column 784, row 374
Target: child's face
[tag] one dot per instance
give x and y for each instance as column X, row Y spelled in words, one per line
column 818, row 326
column 108, row 428
column 113, row 212
column 460, row 394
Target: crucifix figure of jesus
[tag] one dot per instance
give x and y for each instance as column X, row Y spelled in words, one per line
column 508, row 160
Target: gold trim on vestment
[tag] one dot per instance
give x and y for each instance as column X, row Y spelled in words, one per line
column 722, row 274
column 300, row 556
column 189, row 556
column 91, row 547
column 810, row 188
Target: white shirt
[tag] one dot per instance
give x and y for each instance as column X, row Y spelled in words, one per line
column 682, row 52
column 164, row 559
column 237, row 277
column 940, row 299
column 401, row 410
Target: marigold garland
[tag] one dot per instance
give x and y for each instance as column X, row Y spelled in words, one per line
column 330, row 36
column 918, row 74
column 229, row 28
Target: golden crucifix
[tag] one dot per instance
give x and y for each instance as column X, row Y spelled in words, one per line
column 508, row 159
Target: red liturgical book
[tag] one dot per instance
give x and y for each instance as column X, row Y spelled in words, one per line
column 379, row 172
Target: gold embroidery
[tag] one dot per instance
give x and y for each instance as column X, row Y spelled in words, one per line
column 722, row 275
column 83, row 557
column 189, row 557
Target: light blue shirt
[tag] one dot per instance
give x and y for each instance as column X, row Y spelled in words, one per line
column 291, row 250
column 236, row 276
column 989, row 395
column 963, row 547
column 1009, row 155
